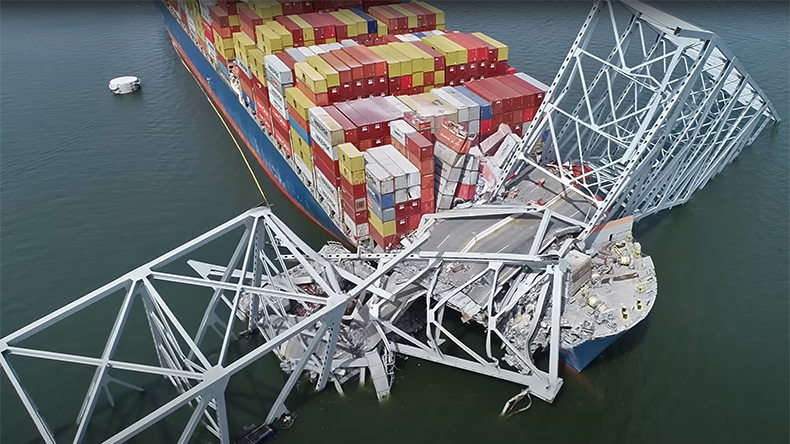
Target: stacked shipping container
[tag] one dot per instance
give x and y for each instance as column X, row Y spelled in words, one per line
column 372, row 130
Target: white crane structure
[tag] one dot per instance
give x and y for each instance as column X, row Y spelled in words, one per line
column 623, row 134
column 638, row 127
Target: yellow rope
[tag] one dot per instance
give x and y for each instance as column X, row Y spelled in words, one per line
column 241, row 151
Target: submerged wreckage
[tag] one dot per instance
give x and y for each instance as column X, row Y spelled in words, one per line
column 542, row 260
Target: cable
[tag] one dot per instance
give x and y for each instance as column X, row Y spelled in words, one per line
column 241, row 151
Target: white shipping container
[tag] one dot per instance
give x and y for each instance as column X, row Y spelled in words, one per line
column 277, row 69
column 508, row 145
column 378, row 177
column 447, row 155
column 333, row 46
column 306, row 51
column 325, row 187
column 412, row 172
column 277, row 101
column 301, row 166
column 444, row 186
column 461, row 108
column 474, row 127
column 399, row 129
column 327, row 132
column 400, row 181
column 445, row 171
column 532, row 81
column 243, row 67
column 401, row 196
column 296, row 54
column 357, row 231
column 415, row 192
column 317, row 49
column 474, row 107
column 346, row 43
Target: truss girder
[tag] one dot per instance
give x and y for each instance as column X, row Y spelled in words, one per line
column 646, row 123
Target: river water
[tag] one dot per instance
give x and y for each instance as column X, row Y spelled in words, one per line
column 93, row 185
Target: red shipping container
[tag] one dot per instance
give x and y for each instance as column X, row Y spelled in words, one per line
column 438, row 59
column 320, row 99
column 414, row 222
column 319, row 32
column 482, row 90
column 368, row 66
column 501, row 67
column 402, row 210
column 427, row 205
column 357, row 72
column 343, row 71
column 340, row 28
column 263, row 116
column 355, row 191
column 386, row 16
column 529, row 114
column 359, row 217
column 248, row 16
column 281, row 120
column 327, row 166
column 401, row 225
column 414, row 206
column 299, row 119
column 364, row 144
column 219, row 18
column 360, row 122
column 385, row 243
column 426, row 194
column 292, row 27
column 425, row 18
column 228, row 6
column 366, row 56
column 419, row 145
column 427, row 181
column 466, row 192
column 282, row 137
column 225, row 32
column 349, row 129
column 249, row 31
column 525, row 93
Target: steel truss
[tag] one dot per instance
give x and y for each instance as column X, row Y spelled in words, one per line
column 260, row 292
column 640, row 128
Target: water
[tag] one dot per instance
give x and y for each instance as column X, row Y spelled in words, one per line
column 94, row 185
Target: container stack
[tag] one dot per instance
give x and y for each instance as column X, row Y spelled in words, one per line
column 393, row 195
column 418, row 149
column 450, row 161
column 301, row 143
column 326, row 136
column 279, row 79
column 468, row 110
column 353, row 191
column 513, row 99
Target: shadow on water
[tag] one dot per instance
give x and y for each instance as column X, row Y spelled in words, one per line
column 623, row 346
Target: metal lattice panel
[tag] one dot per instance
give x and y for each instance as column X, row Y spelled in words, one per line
column 638, row 127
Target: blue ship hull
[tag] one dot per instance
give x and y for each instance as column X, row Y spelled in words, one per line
column 583, row 354
column 256, row 141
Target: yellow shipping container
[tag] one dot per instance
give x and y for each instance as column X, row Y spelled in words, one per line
column 350, row 156
column 454, row 54
column 331, row 40
column 413, row 54
column 229, row 54
column 393, row 64
column 268, row 40
column 351, row 25
column 382, row 28
column 298, row 99
column 233, row 20
column 417, row 79
column 353, row 177
column 438, row 78
column 262, row 8
column 256, row 65
column 307, row 29
column 306, row 74
column 501, row 47
column 362, row 25
column 440, row 26
column 301, row 148
column 242, row 43
column 222, row 44
column 285, row 35
column 325, row 69
column 384, row 228
column 412, row 17
column 439, row 13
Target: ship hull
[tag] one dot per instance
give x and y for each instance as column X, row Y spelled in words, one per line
column 253, row 137
column 582, row 354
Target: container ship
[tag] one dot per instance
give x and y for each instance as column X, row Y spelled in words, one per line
column 371, row 115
